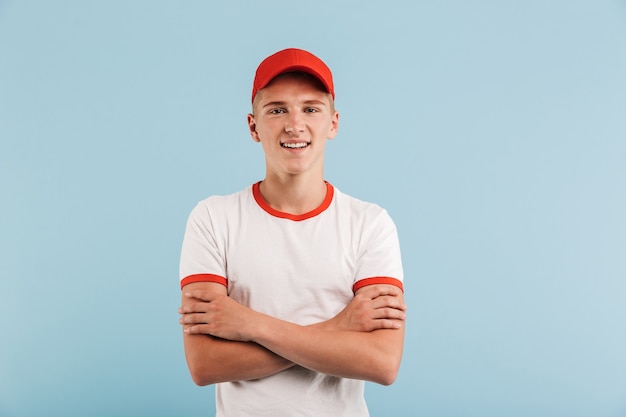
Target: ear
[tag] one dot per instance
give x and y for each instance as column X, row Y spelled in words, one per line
column 252, row 128
column 334, row 127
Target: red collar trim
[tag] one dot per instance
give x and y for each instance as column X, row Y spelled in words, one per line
column 330, row 191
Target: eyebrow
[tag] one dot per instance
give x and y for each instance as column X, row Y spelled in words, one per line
column 274, row 103
column 283, row 103
column 317, row 102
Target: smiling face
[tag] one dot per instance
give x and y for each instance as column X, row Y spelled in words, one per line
column 293, row 117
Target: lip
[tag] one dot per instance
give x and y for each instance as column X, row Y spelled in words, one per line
column 292, row 145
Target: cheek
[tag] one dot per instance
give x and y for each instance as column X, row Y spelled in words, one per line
column 328, row 130
column 268, row 146
column 268, row 128
column 262, row 136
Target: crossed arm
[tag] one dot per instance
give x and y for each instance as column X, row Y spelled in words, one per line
column 226, row 341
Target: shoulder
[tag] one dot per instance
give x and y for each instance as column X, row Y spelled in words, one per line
column 220, row 207
column 362, row 217
column 223, row 202
column 356, row 207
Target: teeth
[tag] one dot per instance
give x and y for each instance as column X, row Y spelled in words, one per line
column 295, row 145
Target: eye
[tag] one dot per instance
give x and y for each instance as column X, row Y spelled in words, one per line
column 311, row 110
column 277, row 111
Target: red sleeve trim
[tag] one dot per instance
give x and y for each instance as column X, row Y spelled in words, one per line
column 204, row 278
column 377, row 280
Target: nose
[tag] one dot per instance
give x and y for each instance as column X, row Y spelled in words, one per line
column 294, row 124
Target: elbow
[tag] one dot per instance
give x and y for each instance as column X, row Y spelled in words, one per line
column 387, row 362
column 387, row 378
column 387, row 372
column 202, row 369
column 200, row 380
column 201, row 375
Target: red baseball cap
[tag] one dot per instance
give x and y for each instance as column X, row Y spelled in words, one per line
column 292, row 59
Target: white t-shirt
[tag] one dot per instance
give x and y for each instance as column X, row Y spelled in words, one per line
column 299, row 268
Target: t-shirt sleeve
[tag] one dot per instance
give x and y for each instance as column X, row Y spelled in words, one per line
column 201, row 259
column 379, row 260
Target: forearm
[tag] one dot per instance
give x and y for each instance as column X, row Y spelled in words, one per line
column 364, row 341
column 373, row 356
column 212, row 360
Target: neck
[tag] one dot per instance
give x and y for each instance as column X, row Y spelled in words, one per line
column 294, row 195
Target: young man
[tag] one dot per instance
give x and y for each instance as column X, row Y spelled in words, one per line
column 292, row 290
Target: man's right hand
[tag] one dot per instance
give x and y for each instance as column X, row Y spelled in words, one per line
column 373, row 307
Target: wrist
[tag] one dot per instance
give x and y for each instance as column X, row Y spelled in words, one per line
column 259, row 328
column 324, row 325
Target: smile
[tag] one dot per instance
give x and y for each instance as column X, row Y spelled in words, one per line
column 295, row 145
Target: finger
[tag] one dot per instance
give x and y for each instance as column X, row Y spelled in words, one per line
column 373, row 292
column 389, row 301
column 193, row 319
column 197, row 307
column 389, row 290
column 391, row 324
column 378, row 290
column 197, row 329
column 389, row 313
column 207, row 296
column 386, row 324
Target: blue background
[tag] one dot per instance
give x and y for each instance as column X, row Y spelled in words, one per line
column 494, row 132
